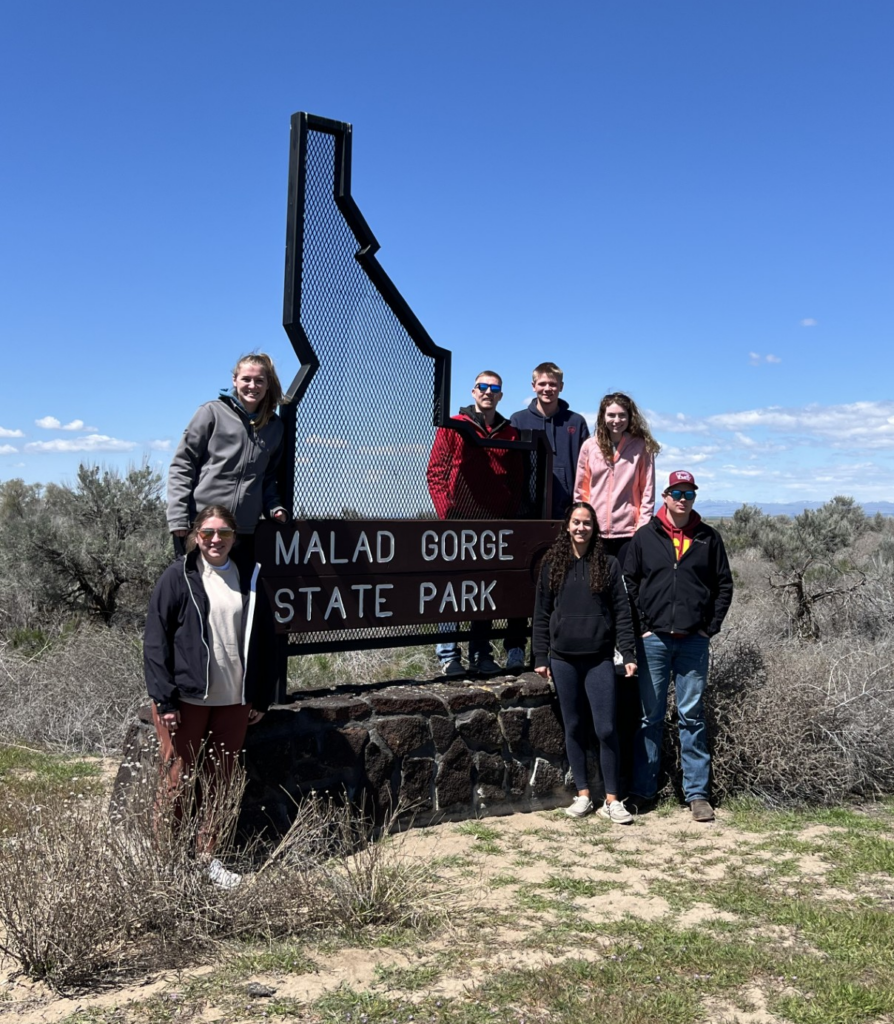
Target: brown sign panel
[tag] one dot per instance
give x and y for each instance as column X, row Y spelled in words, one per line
column 322, row 574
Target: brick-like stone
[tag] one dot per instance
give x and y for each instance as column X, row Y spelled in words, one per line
column 416, row 784
column 336, row 708
column 404, row 733
column 405, row 700
column 443, row 732
column 343, row 748
column 454, row 780
column 480, row 729
column 517, row 776
column 490, row 769
column 466, row 698
column 379, row 768
column 532, row 685
column 546, row 778
column 506, row 692
column 545, row 732
column 513, row 725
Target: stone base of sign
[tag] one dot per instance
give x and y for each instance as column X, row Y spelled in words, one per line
column 429, row 752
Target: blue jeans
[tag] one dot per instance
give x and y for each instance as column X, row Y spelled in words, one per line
column 686, row 659
column 479, row 642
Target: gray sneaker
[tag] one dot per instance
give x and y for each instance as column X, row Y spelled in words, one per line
column 487, row 667
column 515, row 660
column 452, row 669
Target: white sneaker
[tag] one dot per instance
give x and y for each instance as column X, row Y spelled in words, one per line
column 616, row 812
column 222, row 878
column 580, row 806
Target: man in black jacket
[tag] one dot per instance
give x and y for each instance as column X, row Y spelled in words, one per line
column 679, row 581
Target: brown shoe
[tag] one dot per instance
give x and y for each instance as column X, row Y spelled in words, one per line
column 701, row 810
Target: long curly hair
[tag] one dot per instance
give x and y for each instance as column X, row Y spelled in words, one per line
column 273, row 397
column 637, row 426
column 561, row 557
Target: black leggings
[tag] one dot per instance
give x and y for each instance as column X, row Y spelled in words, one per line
column 579, row 682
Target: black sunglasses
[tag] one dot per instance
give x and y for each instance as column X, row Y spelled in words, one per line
column 677, row 494
column 484, row 388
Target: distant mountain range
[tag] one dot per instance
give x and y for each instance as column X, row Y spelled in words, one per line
column 725, row 509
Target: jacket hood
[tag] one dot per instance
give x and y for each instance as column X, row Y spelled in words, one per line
column 471, row 413
column 688, row 530
column 563, row 406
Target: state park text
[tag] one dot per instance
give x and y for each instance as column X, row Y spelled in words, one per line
column 323, row 575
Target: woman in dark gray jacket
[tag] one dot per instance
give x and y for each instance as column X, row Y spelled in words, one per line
column 229, row 454
column 582, row 614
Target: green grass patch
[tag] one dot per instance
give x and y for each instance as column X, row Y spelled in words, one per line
column 486, row 837
column 408, row 979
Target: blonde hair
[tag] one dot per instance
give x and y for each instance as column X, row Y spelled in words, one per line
column 274, row 396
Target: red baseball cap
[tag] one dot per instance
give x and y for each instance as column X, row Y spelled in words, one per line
column 680, row 478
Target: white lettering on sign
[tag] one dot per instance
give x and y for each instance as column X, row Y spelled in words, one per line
column 285, row 612
column 314, row 547
column 502, row 543
column 380, row 599
column 467, row 546
column 468, row 591
column 310, row 591
column 332, row 558
column 485, row 595
column 362, row 545
column 427, row 592
column 448, row 598
column 361, row 588
column 388, row 538
column 284, row 554
column 335, row 601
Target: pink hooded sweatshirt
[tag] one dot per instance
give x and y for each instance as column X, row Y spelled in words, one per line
column 622, row 491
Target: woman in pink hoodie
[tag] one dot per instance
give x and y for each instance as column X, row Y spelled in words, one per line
column 616, row 472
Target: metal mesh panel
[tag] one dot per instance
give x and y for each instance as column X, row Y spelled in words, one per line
column 364, row 428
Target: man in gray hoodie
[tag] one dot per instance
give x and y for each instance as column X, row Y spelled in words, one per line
column 565, row 431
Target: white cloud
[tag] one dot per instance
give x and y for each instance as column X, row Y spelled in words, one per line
column 160, row 446
column 79, row 425
column 8, row 449
column 49, row 423
column 754, row 358
column 90, row 443
column 10, row 433
column 809, row 322
column 326, row 442
column 773, row 359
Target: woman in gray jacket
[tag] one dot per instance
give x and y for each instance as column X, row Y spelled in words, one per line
column 229, row 454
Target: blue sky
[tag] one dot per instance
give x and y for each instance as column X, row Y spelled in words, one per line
column 688, row 200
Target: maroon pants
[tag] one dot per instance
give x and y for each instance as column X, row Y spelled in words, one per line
column 216, row 734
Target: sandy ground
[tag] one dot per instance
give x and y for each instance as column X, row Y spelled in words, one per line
column 525, row 849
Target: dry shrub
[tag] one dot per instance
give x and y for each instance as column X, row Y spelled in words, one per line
column 85, row 895
column 802, row 722
column 79, row 692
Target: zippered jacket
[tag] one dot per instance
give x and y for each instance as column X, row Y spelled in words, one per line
column 565, row 431
column 622, row 491
column 222, row 460
column 684, row 596
column 578, row 622
column 469, row 481
column 177, row 645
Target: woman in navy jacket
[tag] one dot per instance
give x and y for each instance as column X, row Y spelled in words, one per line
column 581, row 615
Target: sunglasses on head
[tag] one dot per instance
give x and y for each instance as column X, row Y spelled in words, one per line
column 225, row 534
column 676, row 494
column 484, row 388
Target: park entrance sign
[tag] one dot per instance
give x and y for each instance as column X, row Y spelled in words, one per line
column 366, row 563
column 330, row 575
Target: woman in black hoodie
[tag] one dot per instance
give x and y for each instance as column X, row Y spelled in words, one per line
column 582, row 614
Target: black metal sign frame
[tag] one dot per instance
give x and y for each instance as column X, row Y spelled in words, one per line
column 350, row 326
